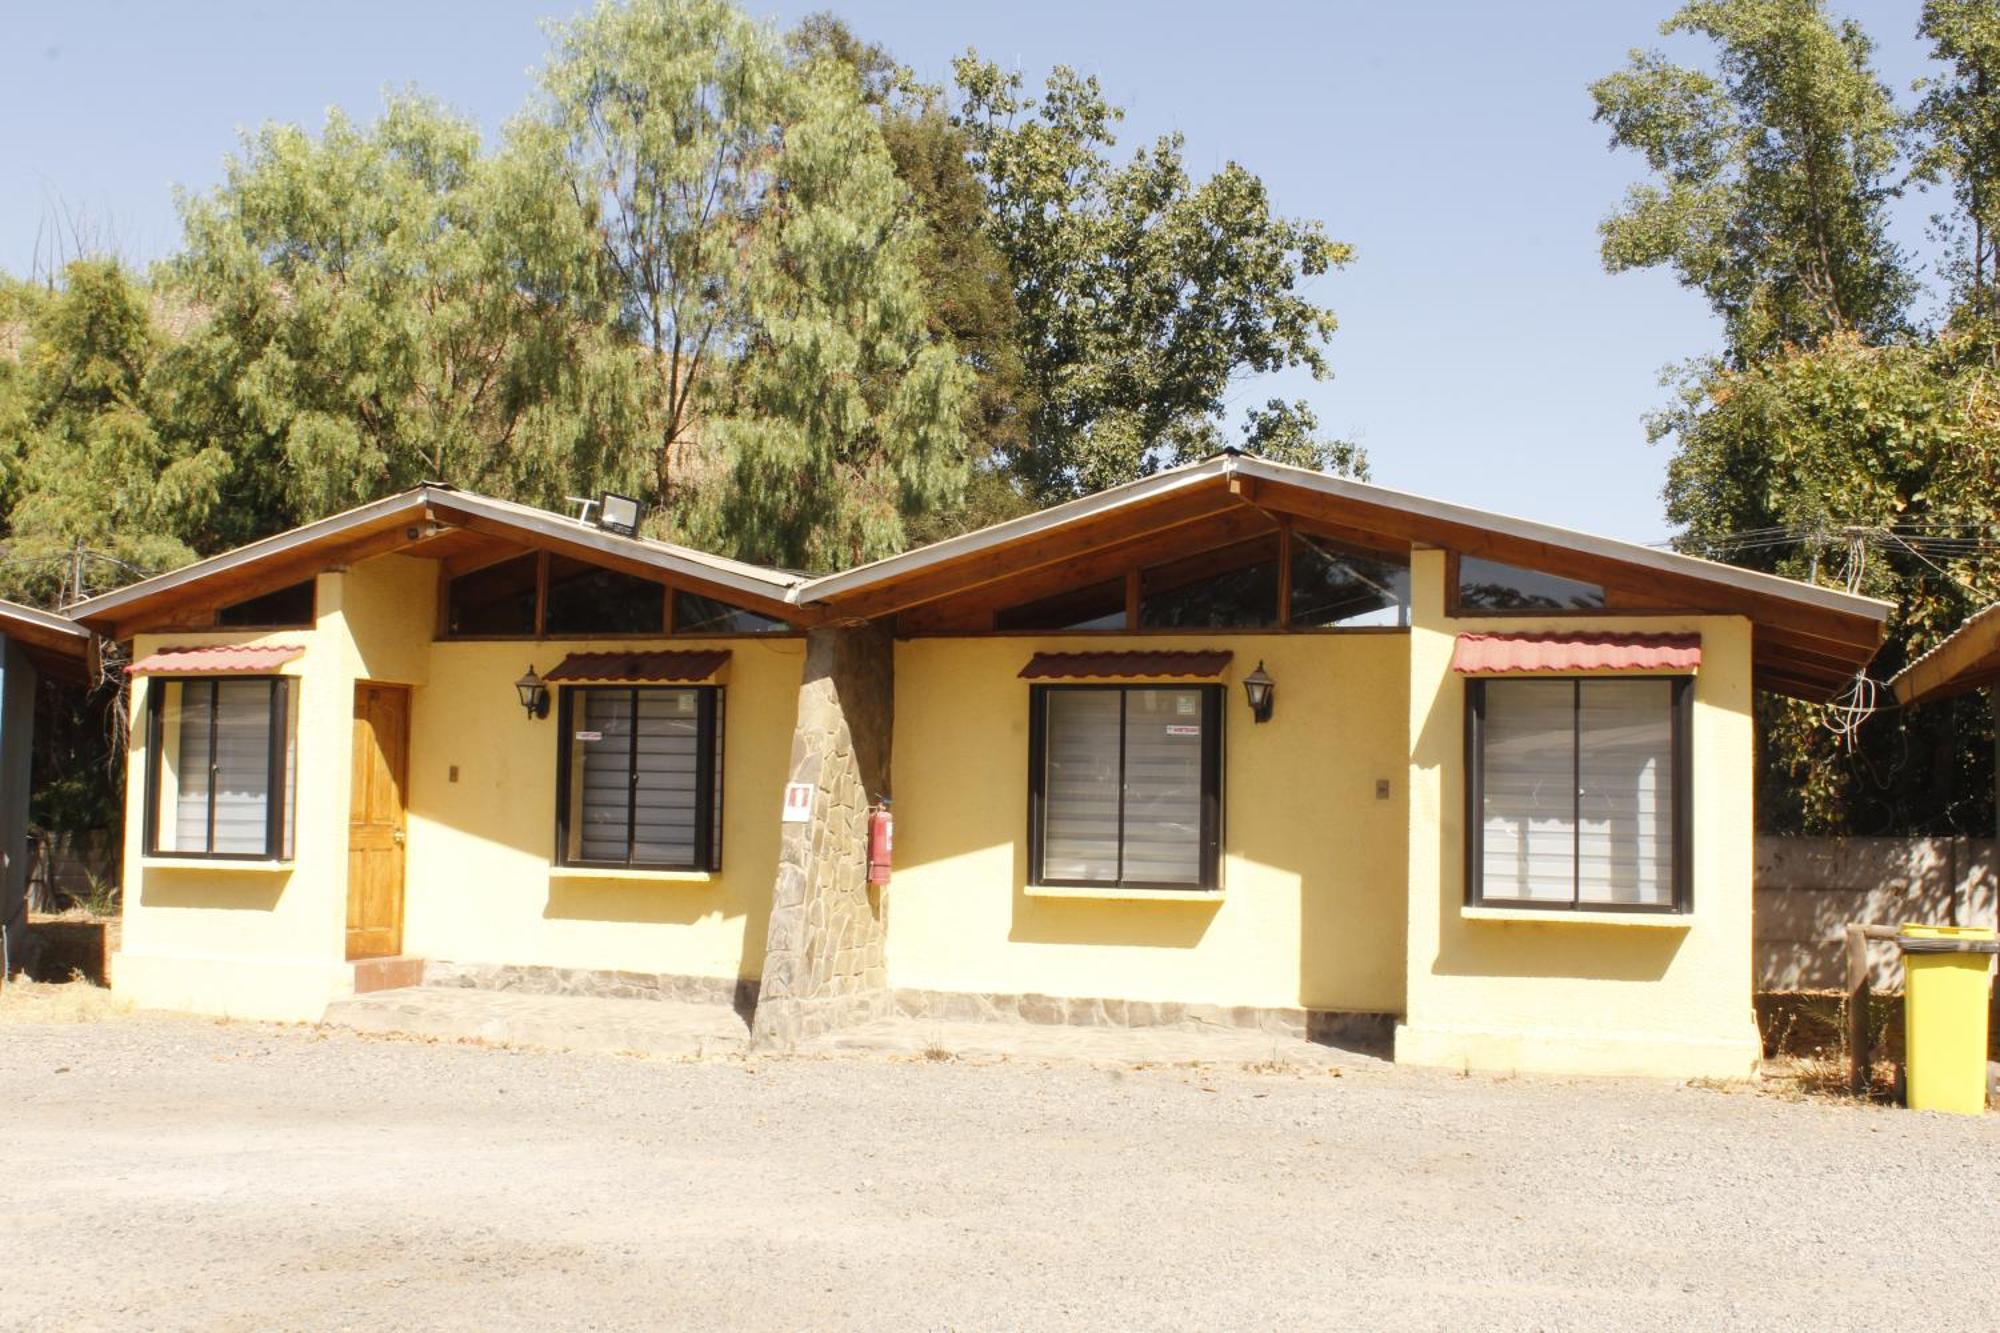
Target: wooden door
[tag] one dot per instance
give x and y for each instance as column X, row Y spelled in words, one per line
column 375, row 821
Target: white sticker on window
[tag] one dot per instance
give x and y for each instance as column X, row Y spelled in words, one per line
column 1185, row 705
column 590, row 735
column 1183, row 731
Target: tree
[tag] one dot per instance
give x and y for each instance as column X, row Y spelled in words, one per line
column 1877, row 467
column 968, row 281
column 1142, row 295
column 749, row 214
column 379, row 306
column 1772, row 178
column 93, row 458
column 1958, row 124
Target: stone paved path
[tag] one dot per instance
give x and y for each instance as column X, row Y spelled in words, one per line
column 678, row 1029
column 585, row 1024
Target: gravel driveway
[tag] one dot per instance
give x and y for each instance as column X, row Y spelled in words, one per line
column 165, row 1172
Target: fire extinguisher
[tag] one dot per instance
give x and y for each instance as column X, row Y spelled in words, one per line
column 881, row 842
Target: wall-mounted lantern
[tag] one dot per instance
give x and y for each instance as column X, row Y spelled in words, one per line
column 1261, row 691
column 534, row 694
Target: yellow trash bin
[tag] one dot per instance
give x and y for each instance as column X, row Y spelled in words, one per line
column 1944, row 1015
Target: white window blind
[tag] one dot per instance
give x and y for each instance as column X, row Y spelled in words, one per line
column 1577, row 782
column 1625, row 848
column 636, row 776
column 1530, row 777
column 242, row 766
column 1123, row 786
column 1162, row 786
column 212, row 778
column 1080, row 826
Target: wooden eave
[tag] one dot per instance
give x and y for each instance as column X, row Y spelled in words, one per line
column 57, row 646
column 1808, row 641
column 459, row 530
column 1968, row 659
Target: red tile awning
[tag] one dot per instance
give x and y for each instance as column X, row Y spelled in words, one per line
column 210, row 659
column 1070, row 666
column 1506, row 654
column 684, row 665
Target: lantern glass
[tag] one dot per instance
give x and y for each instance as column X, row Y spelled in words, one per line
column 1260, row 690
column 534, row 694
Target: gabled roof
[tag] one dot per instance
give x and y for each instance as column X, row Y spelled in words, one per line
column 1965, row 660
column 411, row 519
column 1810, row 640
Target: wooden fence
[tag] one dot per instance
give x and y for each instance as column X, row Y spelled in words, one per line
column 1808, row 889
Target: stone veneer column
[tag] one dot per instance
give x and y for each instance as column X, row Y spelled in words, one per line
column 823, row 957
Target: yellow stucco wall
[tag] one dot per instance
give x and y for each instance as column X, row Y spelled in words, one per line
column 1312, row 908
column 270, row 941
column 1634, row 996
column 482, row 889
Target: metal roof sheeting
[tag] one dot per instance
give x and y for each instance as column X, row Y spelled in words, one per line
column 209, row 659
column 1506, row 654
column 1069, row 666
column 682, row 665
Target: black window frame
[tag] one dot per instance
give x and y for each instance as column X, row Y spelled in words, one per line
column 709, row 710
column 277, row 813
column 1681, row 791
column 1212, row 711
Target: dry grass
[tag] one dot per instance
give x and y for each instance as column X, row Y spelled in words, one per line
column 72, row 1001
column 1822, row 1076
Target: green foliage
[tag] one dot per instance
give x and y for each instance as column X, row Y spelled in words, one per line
column 388, row 305
column 1141, row 294
column 968, row 281
column 1833, row 440
column 1867, row 451
column 752, row 221
column 1958, row 124
column 1771, row 177
column 94, row 453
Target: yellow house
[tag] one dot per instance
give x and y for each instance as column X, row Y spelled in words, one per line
column 1237, row 743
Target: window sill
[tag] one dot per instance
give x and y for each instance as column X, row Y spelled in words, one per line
column 1559, row 916
column 632, row 874
column 1113, row 893
column 212, row 863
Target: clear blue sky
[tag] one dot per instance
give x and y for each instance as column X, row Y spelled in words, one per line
column 1483, row 355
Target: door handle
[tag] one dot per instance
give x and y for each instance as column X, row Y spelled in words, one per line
column 398, row 836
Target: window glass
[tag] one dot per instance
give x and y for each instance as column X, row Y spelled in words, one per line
column 1130, row 784
column 1577, row 789
column 1080, row 786
column 1530, row 839
column 1234, row 588
column 641, row 779
column 498, row 600
column 1098, row 606
column 1625, row 770
column 1332, row 585
column 287, row 606
column 590, row 599
column 214, row 764
column 1163, row 790
column 1488, row 585
column 695, row 614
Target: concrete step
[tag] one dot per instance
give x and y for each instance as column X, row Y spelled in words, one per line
column 373, row 974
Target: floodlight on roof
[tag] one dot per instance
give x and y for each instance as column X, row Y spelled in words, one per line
column 619, row 514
